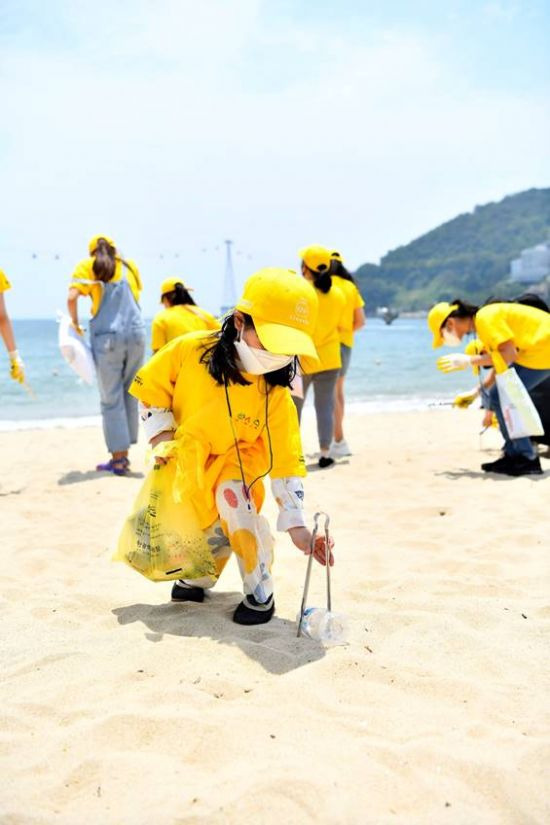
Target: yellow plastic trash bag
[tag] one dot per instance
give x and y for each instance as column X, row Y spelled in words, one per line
column 162, row 539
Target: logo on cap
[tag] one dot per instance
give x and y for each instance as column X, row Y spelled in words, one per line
column 302, row 307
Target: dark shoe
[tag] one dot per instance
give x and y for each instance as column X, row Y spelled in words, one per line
column 501, row 465
column 325, row 462
column 249, row 611
column 514, row 465
column 187, row 594
column 117, row 466
column 523, row 466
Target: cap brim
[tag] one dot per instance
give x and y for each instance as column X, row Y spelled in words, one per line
column 437, row 340
column 283, row 340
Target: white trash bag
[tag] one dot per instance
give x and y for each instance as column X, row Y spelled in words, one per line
column 519, row 412
column 75, row 350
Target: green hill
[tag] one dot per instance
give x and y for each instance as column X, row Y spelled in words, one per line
column 468, row 256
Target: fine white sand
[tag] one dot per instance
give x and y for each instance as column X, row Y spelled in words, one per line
column 119, row 707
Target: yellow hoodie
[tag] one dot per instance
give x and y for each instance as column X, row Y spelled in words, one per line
column 175, row 379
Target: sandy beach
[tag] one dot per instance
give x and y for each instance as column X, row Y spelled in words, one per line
column 119, row 707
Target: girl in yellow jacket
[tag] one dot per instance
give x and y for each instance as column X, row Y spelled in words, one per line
column 180, row 314
column 223, row 399
column 17, row 368
column 353, row 319
column 323, row 373
column 512, row 334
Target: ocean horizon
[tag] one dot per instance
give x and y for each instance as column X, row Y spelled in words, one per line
column 393, row 368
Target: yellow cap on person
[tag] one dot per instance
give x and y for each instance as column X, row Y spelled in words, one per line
column 336, row 256
column 283, row 306
column 437, row 316
column 169, row 285
column 316, row 258
column 92, row 246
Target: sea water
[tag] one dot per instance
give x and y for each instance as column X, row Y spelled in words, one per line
column 393, row 368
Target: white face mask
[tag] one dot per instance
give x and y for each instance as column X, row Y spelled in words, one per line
column 450, row 338
column 259, row 361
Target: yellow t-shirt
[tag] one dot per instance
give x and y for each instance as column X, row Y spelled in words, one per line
column 173, row 321
column 175, row 379
column 354, row 300
column 527, row 327
column 84, row 279
column 4, row 283
column 326, row 336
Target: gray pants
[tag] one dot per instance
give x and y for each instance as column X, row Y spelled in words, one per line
column 323, row 398
column 118, row 356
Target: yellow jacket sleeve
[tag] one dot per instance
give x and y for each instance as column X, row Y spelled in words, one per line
column 158, row 333
column 155, row 381
column 284, row 432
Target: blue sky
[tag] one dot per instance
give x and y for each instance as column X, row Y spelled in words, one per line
column 172, row 125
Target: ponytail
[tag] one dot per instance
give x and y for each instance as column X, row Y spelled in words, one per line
column 338, row 268
column 322, row 281
column 179, row 296
column 104, row 261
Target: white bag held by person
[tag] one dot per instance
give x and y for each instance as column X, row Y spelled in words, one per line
column 520, row 414
column 75, row 349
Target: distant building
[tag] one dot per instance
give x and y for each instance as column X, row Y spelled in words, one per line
column 532, row 266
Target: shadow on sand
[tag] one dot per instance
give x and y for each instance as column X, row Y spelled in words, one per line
column 76, row 476
column 274, row 646
column 466, row 473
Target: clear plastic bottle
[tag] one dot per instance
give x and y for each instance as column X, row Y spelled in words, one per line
column 325, row 626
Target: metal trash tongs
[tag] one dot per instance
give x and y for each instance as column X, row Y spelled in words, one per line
column 316, row 518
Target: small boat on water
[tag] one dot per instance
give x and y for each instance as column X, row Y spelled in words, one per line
column 387, row 314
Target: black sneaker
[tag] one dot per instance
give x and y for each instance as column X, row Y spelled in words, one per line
column 249, row 611
column 501, row 465
column 514, row 465
column 325, row 462
column 523, row 466
column 187, row 594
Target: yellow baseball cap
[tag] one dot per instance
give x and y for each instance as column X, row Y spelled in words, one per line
column 92, row 246
column 316, row 258
column 169, row 285
column 337, row 256
column 283, row 307
column 437, row 316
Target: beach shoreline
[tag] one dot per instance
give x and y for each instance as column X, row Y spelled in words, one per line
column 121, row 707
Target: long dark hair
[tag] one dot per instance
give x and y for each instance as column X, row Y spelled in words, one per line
column 338, row 268
column 220, row 358
column 105, row 259
column 179, row 296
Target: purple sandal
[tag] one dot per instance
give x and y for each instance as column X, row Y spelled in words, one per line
column 117, row 466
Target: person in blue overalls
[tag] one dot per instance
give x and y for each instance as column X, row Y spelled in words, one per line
column 117, row 334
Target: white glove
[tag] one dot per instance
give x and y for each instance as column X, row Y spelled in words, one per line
column 452, row 363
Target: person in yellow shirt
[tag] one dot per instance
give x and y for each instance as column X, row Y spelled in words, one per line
column 222, row 402
column 512, row 334
column 180, row 314
column 17, row 367
column 316, row 262
column 117, row 336
column 353, row 319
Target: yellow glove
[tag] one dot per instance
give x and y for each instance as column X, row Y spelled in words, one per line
column 452, row 363
column 17, row 367
column 463, row 401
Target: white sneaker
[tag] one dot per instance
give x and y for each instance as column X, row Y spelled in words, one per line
column 340, row 449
